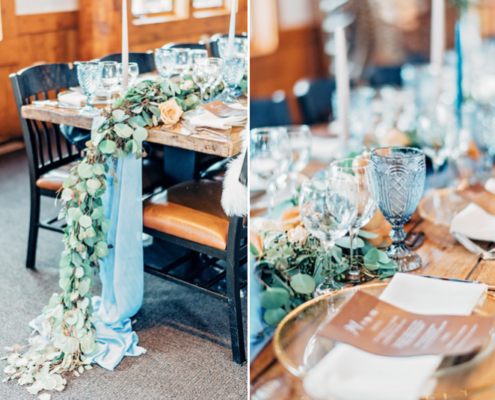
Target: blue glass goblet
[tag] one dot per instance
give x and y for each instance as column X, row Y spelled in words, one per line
column 233, row 73
column 89, row 75
column 397, row 183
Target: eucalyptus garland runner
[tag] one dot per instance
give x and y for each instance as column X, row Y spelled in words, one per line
column 68, row 322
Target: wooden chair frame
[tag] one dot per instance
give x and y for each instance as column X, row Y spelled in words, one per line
column 44, row 142
column 234, row 255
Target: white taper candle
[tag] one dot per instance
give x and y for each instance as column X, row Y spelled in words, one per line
column 125, row 46
column 437, row 40
column 230, row 48
column 342, row 80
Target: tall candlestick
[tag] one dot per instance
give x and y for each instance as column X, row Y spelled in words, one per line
column 230, row 50
column 125, row 46
column 342, row 80
column 458, row 50
column 437, row 43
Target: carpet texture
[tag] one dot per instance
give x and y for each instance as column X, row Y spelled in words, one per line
column 185, row 333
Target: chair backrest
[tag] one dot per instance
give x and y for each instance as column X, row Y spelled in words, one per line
column 380, row 76
column 194, row 46
column 214, row 42
column 46, row 146
column 270, row 112
column 315, row 99
column 145, row 61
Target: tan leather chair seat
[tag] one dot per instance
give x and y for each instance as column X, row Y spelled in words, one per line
column 153, row 175
column 190, row 210
column 54, row 179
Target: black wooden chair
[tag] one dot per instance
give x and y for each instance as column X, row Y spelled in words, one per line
column 145, row 61
column 50, row 155
column 190, row 215
column 273, row 111
column 315, row 99
column 214, row 42
column 193, row 46
column 380, row 76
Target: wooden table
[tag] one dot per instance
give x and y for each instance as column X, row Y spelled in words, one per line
column 441, row 256
column 202, row 142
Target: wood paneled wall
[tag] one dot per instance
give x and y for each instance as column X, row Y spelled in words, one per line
column 82, row 35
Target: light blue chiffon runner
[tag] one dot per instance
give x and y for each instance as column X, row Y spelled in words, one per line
column 121, row 272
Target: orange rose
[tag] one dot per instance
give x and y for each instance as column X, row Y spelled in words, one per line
column 170, row 112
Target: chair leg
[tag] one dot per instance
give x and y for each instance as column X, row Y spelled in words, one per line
column 33, row 230
column 235, row 311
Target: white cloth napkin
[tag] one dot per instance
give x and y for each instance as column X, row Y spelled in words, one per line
column 474, row 222
column 347, row 373
column 212, row 121
column 75, row 99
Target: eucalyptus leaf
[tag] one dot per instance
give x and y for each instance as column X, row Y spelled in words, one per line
column 345, row 243
column 273, row 317
column 118, row 115
column 367, row 235
column 140, row 134
column 123, row 130
column 274, row 297
column 107, row 146
column 303, row 283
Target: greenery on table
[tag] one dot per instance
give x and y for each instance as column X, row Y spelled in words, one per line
column 69, row 316
column 290, row 270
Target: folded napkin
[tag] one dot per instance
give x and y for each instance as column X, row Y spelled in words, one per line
column 75, row 99
column 212, row 121
column 347, row 373
column 474, row 221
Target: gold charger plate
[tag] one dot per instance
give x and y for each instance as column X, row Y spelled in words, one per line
column 299, row 348
column 440, row 206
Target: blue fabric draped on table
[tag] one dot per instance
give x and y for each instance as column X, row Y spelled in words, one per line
column 121, row 272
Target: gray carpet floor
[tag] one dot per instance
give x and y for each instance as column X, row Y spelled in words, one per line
column 185, row 333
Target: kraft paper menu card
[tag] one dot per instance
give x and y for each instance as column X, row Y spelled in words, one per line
column 222, row 110
column 377, row 327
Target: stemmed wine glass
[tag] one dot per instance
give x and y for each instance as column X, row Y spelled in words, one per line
column 328, row 208
column 165, row 60
column 214, row 70
column 197, row 54
column 109, row 79
column 233, row 72
column 271, row 156
column 436, row 132
column 358, row 171
column 133, row 69
column 89, row 76
column 300, row 143
column 397, row 183
column 200, row 77
column 182, row 60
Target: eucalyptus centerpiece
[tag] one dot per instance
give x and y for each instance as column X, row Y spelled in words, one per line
column 69, row 337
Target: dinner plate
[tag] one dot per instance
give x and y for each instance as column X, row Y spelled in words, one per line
column 299, row 348
column 440, row 206
column 188, row 115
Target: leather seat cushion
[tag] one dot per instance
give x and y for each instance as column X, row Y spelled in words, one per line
column 190, row 210
column 54, row 179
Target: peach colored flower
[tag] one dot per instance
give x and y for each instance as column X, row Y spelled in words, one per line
column 298, row 234
column 170, row 112
column 187, row 85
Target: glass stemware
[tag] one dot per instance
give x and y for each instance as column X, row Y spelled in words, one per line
column 233, row 73
column 89, row 76
column 270, row 156
column 200, row 77
column 132, row 76
column 240, row 47
column 357, row 170
column 109, row 79
column 328, row 208
column 182, row 60
column 397, row 183
column 165, row 60
column 436, row 132
column 214, row 71
column 300, row 142
column 197, row 54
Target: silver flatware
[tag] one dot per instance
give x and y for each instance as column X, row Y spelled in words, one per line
column 473, row 247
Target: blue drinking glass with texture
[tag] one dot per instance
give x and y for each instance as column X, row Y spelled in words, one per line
column 397, row 183
column 89, row 75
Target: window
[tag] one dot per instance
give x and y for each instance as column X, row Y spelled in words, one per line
column 207, row 3
column 143, row 7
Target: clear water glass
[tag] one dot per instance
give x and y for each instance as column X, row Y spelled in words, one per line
column 358, row 171
column 328, row 208
column 270, row 159
column 397, row 183
column 165, row 60
column 240, row 47
column 300, row 142
column 132, row 76
column 200, row 77
column 214, row 71
column 109, row 79
column 437, row 133
column 89, row 75
column 197, row 55
column 233, row 72
column 182, row 60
